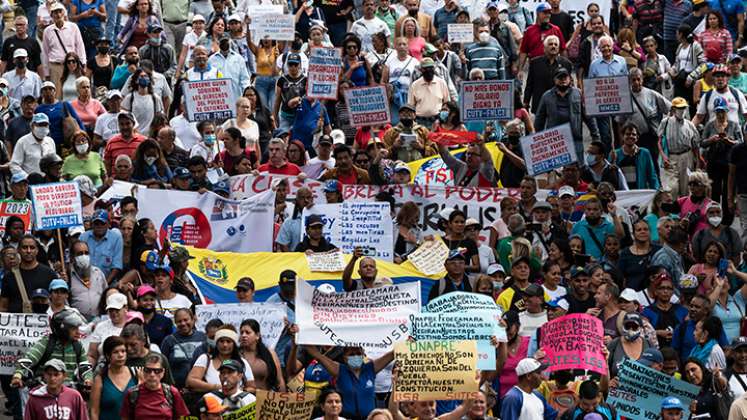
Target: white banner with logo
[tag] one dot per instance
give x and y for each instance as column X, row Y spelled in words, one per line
column 270, row 316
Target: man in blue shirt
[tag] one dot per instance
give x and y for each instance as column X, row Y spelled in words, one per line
column 607, row 65
column 683, row 337
column 105, row 245
column 309, row 114
column 522, row 402
column 593, row 228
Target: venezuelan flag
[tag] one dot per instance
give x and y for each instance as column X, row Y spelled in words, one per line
column 215, row 274
column 432, row 171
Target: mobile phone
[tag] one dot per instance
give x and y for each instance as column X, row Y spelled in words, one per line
column 723, row 265
column 536, row 227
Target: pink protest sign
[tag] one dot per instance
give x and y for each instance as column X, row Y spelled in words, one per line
column 574, row 342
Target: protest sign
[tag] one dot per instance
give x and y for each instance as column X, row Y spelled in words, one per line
column 476, row 325
column 483, row 100
column 435, row 370
column 549, row 149
column 271, row 317
column 210, row 221
column 284, row 405
column 56, row 206
column 248, row 412
column 367, row 105
column 453, row 137
column 278, row 27
column 460, row 33
column 18, row 208
column 330, row 262
column 574, row 342
column 575, row 8
column 324, row 72
column 115, row 194
column 462, row 302
column 429, row 258
column 640, row 390
column 370, row 318
column 607, row 96
column 209, row 99
column 245, row 186
column 18, row 332
column 264, row 9
column 356, row 224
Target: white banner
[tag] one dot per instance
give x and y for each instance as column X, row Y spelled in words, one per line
column 245, row 186
column 18, row 332
column 460, row 33
column 270, row 316
column 485, row 100
column 356, row 224
column 210, row 221
column 56, row 206
column 549, row 149
column 118, row 191
column 279, row 27
column 324, row 73
column 430, row 257
column 367, row 105
column 607, row 96
column 374, row 319
column 209, row 99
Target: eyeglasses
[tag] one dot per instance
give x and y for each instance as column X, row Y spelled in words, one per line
column 157, row 371
column 632, row 327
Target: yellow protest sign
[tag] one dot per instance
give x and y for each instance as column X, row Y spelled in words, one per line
column 284, row 405
column 436, row 370
column 244, row 413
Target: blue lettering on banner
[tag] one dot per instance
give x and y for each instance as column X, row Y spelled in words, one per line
column 550, row 164
column 59, row 222
column 609, row 108
column 487, row 114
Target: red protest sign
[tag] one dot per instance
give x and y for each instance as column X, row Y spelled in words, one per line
column 574, row 342
column 451, row 138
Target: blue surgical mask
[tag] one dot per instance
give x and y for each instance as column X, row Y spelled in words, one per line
column 210, row 343
column 209, row 139
column 443, row 116
column 591, row 160
column 143, row 81
column 355, row 362
column 155, row 41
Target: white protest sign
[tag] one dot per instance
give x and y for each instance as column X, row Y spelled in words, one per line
column 326, row 262
column 209, row 99
column 429, row 258
column 549, row 149
column 56, row 206
column 118, row 191
column 607, row 96
column 367, row 106
column 270, row 316
column 257, row 10
column 356, row 224
column 279, row 27
column 374, row 319
column 210, row 221
column 324, row 73
column 18, row 332
column 460, row 33
column 483, row 100
column 462, row 302
column 245, row 186
column 575, row 8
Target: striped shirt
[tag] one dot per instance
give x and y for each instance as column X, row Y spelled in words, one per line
column 674, row 13
column 65, row 353
column 489, row 57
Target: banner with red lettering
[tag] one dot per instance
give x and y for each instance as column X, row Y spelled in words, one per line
column 607, row 96
column 549, row 149
column 19, row 208
column 324, row 73
column 574, row 342
column 487, row 100
column 245, row 186
column 209, row 100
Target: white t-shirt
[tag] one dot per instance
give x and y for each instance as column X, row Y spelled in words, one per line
column 733, row 114
column 144, row 107
column 212, row 376
column 645, row 300
column 167, row 307
column 365, row 29
column 208, row 153
column 185, row 131
column 319, row 165
column 736, row 388
column 532, row 408
column 401, row 71
column 107, row 125
column 557, row 293
column 101, row 332
column 531, row 322
column 190, row 41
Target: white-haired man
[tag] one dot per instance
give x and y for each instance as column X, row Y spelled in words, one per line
column 541, row 71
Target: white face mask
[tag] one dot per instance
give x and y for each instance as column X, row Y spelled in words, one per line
column 40, row 132
column 83, row 261
column 679, row 113
column 149, row 160
column 503, row 17
column 714, row 221
column 484, row 37
column 81, row 148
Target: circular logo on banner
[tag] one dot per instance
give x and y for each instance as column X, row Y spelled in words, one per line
column 187, row 226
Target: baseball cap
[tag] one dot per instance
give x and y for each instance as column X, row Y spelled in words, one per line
column 19, row 177
column 144, row 290
column 734, row 57
column 100, row 215
column 75, row 230
column 406, row 107
column 559, row 302
column 561, row 71
column 331, row 186
column 578, row 270
column 245, row 283
column 720, row 69
column 48, row 84
column 542, row 7
column 427, row 62
column 401, row 167
column 179, row 253
column 632, row 318
column 225, row 36
column 58, row 284
column 221, row 186
column 338, row 136
column 56, row 6
column 542, row 205
column 529, row 365
column 182, row 173
column 55, row 364
column 669, row 403
column 114, row 93
column 294, row 58
column 511, row 318
column 502, row 7
column 21, row 52
column 287, row 276
column 523, row 258
column 154, row 27
column 39, row 293
column 232, row 364
column 720, row 105
column 629, row 295
column 456, row 254
column 195, row 18
column 314, row 219
column 679, row 102
column 326, row 139
column 134, row 316
column 326, row 288
column 566, row 190
column 651, row 356
column 492, row 5
column 534, row 290
column 495, row 268
column 126, row 114
column 234, row 17
column 738, row 343
column 280, row 132
column 116, row 301
column 472, row 222
column 40, row 118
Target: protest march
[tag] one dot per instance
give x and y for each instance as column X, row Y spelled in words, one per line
column 373, row 210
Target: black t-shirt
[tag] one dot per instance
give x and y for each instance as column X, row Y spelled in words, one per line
column 510, row 174
column 101, row 75
column 738, row 158
column 17, row 128
column 563, row 21
column 330, row 8
column 576, row 306
column 290, row 88
column 29, row 44
column 37, row 278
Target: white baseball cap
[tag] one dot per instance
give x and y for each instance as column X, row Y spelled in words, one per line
column 116, row 301
column 529, row 365
column 566, row 190
column 629, row 295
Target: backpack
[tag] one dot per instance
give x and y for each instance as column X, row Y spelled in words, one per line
column 734, row 93
column 134, row 394
column 77, row 347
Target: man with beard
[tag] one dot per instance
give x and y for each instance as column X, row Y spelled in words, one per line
column 428, row 94
column 124, row 70
column 157, row 326
column 87, row 282
column 736, row 375
column 541, row 71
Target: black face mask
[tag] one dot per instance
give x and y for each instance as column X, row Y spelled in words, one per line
column 102, row 50
column 20, row 64
column 146, row 311
column 545, row 26
column 225, row 45
column 562, row 88
column 428, row 74
column 296, row 45
column 407, row 122
column 39, row 308
column 133, row 61
column 413, row 13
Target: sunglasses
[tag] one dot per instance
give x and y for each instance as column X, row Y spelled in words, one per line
column 157, row 371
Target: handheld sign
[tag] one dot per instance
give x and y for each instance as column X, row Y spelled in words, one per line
column 460, row 33
column 324, row 72
column 607, row 96
column 56, row 206
column 429, row 258
column 549, row 149
column 18, row 333
column 284, row 405
column 483, row 100
column 367, row 105
column 326, row 262
column 209, row 100
column 19, row 208
column 279, row 27
column 574, row 342
column 270, row 316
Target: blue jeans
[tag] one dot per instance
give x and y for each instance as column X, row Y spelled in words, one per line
column 112, row 18
column 31, row 16
column 265, row 86
column 286, row 120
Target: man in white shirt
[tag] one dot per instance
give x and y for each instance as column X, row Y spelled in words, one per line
column 33, row 146
column 522, row 402
column 21, row 80
column 369, row 25
column 107, row 125
column 202, row 70
column 323, row 159
column 186, row 132
column 734, row 99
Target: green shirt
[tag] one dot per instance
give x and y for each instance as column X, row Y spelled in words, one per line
column 175, row 10
column 739, row 82
column 92, row 167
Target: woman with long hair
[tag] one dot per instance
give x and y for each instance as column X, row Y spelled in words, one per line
column 330, row 403
column 204, row 376
column 248, row 127
column 100, row 67
column 457, row 239
column 415, row 42
column 266, row 54
column 261, row 115
column 552, row 277
column 264, row 362
column 141, row 101
column 627, row 47
column 235, row 146
column 296, row 153
column 716, row 37
column 149, row 165
column 113, row 380
column 635, row 259
column 135, row 30
column 706, row 268
column 378, row 56
column 560, row 253
column 144, row 238
column 216, row 28
column 707, row 350
column 726, row 307
column 655, row 67
column 688, row 57
column 71, row 72
column 448, row 118
column 699, row 375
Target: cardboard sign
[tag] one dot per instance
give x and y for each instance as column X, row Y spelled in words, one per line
column 641, row 389
column 460, row 33
column 367, row 106
column 484, row 100
column 607, row 96
column 19, row 208
column 284, row 405
column 271, row 317
column 326, row 262
column 429, row 258
column 435, row 370
column 209, row 100
column 574, row 342
column 57, row 205
column 248, row 412
column 18, row 333
column 371, row 318
column 279, row 27
column 549, row 149
column 324, row 72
